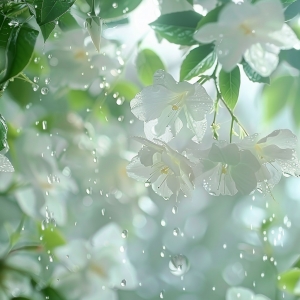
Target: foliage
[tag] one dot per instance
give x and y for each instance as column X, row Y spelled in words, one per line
column 73, row 223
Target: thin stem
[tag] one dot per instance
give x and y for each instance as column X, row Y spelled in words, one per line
column 231, row 129
column 233, row 116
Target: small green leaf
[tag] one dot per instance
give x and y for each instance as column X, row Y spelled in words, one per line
column 49, row 10
column 252, row 75
column 67, row 22
column 111, row 9
column 229, row 86
column 292, row 10
column 289, row 280
column 94, row 27
column 52, row 238
column 178, row 27
column 51, row 293
column 147, row 63
column 197, row 61
column 46, row 30
column 277, row 95
column 296, row 108
column 19, row 49
column 190, row 2
column 291, row 56
column 211, row 17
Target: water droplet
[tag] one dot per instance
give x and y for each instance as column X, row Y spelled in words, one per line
column 36, row 59
column 174, row 209
column 123, row 282
column 44, row 90
column 47, row 80
column 89, row 190
column 179, row 265
column 36, row 79
column 35, row 87
column 44, row 125
column 176, row 231
column 161, row 294
column 115, row 5
column 124, row 234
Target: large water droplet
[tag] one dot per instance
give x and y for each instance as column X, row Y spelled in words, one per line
column 44, row 90
column 124, row 233
column 179, row 265
column 123, row 282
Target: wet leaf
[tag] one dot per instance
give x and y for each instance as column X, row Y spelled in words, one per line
column 94, row 27
column 252, row 75
column 289, row 279
column 178, row 27
column 52, row 238
column 229, row 86
column 212, row 16
column 197, row 61
column 147, row 63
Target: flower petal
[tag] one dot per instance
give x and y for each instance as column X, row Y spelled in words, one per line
column 229, row 154
column 5, row 164
column 285, row 38
column 160, row 186
column 208, row 33
column 244, row 179
column 239, row 293
column 150, row 102
column 283, row 138
column 263, row 58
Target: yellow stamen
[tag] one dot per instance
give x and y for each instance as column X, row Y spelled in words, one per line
column 175, row 107
column 246, row 29
column 165, row 170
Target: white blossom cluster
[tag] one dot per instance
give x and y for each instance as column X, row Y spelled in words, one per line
column 254, row 163
column 256, row 32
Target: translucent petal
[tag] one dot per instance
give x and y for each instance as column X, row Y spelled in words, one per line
column 198, row 103
column 249, row 159
column 107, row 236
column 162, row 78
column 244, row 178
column 73, row 255
column 146, row 156
column 262, row 58
column 168, row 161
column 139, row 172
column 273, row 152
column 148, row 143
column 285, row 38
column 169, row 133
column 228, row 154
column 283, row 138
column 239, row 293
column 197, row 127
column 150, row 102
column 208, row 33
column 5, row 165
column 161, row 188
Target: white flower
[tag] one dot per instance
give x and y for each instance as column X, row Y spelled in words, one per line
column 239, row 293
column 276, row 154
column 256, row 31
column 5, row 164
column 160, row 105
column 225, row 170
column 159, row 165
column 93, row 270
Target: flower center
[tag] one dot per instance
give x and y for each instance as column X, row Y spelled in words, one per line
column 175, row 107
column 259, row 151
column 246, row 29
column 224, row 169
column 164, row 170
column 79, row 55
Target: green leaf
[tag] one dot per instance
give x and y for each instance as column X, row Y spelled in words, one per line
column 19, row 49
column 291, row 56
column 277, row 95
column 111, row 9
column 147, row 63
column 126, row 89
column 51, row 293
column 67, row 22
column 289, row 280
column 197, row 61
column 252, row 75
column 211, row 17
column 49, row 10
column 292, row 10
column 5, row 32
column 296, row 108
column 46, row 29
column 229, row 86
column 3, row 133
column 94, row 27
column 178, row 27
column 190, row 2
column 52, row 238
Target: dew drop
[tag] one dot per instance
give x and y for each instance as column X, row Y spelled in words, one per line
column 124, row 234
column 123, row 282
column 176, row 231
column 179, row 265
column 44, row 91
